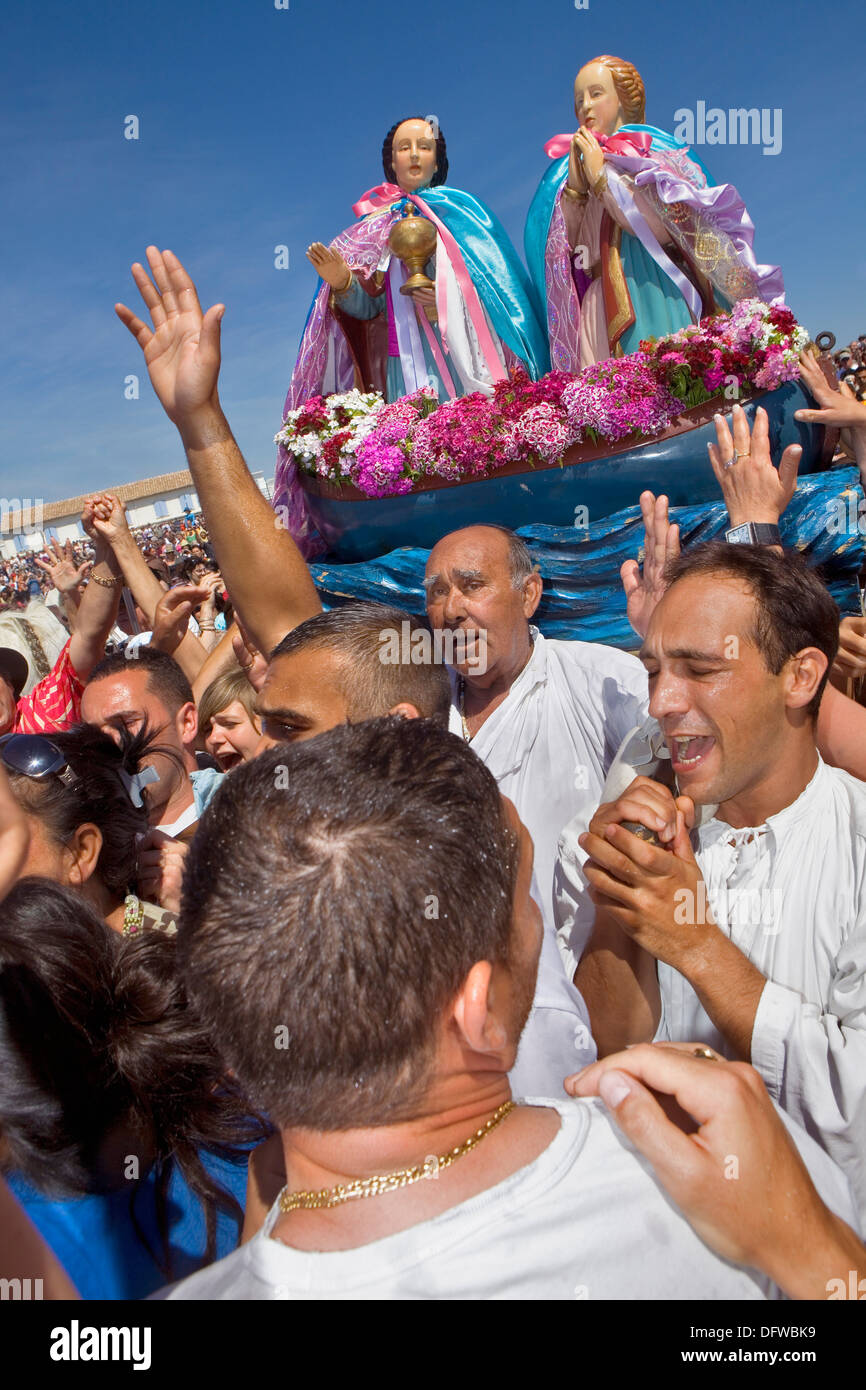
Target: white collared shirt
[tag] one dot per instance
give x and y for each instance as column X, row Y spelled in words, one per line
column 791, row 895
column 551, row 741
column 549, row 745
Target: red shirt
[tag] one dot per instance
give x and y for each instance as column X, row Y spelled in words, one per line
column 55, row 703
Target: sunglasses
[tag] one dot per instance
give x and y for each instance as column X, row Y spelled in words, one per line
column 32, row 755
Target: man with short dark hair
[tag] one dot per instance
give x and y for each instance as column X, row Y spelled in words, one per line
column 150, row 688
column 754, row 940
column 373, row 1009
column 335, row 668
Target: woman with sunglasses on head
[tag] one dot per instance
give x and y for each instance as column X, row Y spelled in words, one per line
column 120, row 1134
column 82, row 794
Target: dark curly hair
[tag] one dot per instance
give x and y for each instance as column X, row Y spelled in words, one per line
column 441, row 174
column 98, row 795
column 95, row 1033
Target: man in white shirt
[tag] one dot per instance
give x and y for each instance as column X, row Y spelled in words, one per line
column 546, row 717
column 358, row 930
column 755, row 943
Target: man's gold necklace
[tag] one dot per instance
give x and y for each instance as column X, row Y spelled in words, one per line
column 389, row 1182
column 463, row 721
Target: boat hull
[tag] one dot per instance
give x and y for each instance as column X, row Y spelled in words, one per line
column 590, row 483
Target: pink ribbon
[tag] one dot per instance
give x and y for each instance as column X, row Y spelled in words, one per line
column 630, row 142
column 437, row 355
column 377, row 197
column 385, row 193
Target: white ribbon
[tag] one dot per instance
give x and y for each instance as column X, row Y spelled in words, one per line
column 412, row 357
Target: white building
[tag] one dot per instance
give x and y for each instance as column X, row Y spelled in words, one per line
column 29, row 523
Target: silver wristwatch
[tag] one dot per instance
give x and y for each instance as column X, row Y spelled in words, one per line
column 754, row 533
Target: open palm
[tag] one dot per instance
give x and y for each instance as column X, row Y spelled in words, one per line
column 61, row 568
column 182, row 350
column 645, row 588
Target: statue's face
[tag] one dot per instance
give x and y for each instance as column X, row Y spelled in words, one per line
column 596, row 103
column 414, row 155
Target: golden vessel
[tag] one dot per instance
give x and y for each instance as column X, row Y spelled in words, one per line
column 413, row 239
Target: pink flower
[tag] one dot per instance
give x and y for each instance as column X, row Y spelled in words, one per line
column 380, row 469
column 544, row 430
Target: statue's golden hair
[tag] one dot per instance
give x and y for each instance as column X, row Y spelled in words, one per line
column 629, row 87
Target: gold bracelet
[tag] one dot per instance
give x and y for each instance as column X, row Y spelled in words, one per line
column 348, row 284
column 107, row 583
column 600, row 184
column 574, row 194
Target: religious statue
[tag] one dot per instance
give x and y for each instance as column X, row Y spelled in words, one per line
column 460, row 331
column 627, row 237
column 457, row 316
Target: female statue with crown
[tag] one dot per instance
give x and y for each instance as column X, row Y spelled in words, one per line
column 626, row 237
column 459, row 327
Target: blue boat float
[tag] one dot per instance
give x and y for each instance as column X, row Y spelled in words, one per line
column 591, row 482
column 583, row 597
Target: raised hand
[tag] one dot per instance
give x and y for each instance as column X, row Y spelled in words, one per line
column 644, row 589
column 214, row 584
column 850, row 663
column 62, row 570
column 182, row 350
column 173, row 612
column 109, row 518
column 330, row 265
column 839, row 406
column 251, row 661
column 753, row 488
column 840, row 409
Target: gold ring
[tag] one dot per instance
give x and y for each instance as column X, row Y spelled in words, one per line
column 705, row 1052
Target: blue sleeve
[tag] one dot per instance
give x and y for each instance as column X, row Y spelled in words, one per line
column 358, row 304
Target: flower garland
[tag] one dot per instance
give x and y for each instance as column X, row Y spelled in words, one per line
column 385, row 449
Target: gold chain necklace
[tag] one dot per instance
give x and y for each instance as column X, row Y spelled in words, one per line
column 389, row 1182
column 463, row 721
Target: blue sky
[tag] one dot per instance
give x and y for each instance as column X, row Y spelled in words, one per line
column 261, row 127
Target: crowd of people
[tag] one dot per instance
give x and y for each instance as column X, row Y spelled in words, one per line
column 173, row 549
column 323, row 975
column 850, row 363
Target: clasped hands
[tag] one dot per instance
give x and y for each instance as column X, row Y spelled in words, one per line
column 652, row 892
column 586, row 160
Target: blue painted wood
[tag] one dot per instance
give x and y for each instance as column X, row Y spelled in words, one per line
column 362, row 528
column 583, row 596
